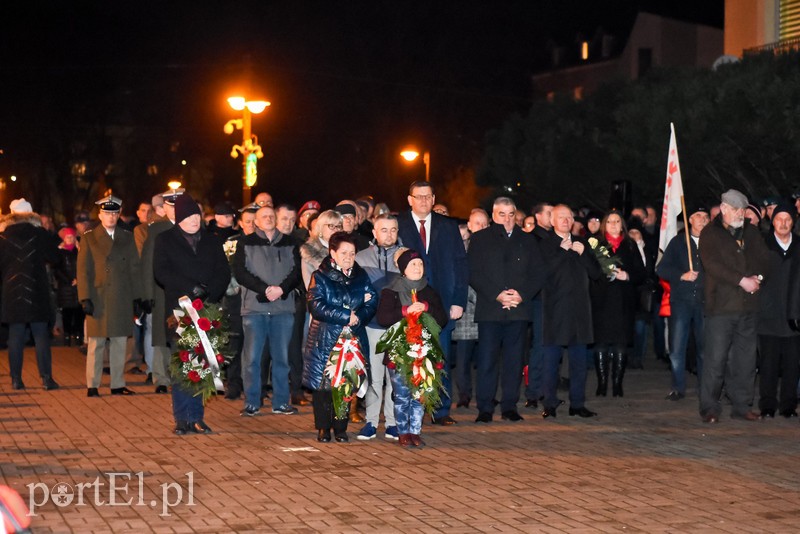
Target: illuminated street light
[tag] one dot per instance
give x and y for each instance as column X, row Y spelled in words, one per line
column 411, row 155
column 249, row 149
column 174, row 185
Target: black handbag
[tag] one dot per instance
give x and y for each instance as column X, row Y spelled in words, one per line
column 647, row 294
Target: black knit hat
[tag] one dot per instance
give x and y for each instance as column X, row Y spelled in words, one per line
column 185, row 206
column 405, row 258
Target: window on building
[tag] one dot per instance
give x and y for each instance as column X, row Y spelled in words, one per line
column 790, row 19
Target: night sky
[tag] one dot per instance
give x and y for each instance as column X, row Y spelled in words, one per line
column 350, row 83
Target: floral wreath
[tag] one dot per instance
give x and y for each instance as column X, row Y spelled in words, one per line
column 347, row 371
column 202, row 332
column 412, row 345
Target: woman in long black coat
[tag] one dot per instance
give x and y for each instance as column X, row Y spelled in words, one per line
column 66, row 276
column 614, row 300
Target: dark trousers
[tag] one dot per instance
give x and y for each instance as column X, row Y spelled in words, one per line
column 233, row 373
column 778, row 356
column 16, row 346
column 465, row 357
column 729, row 359
column 72, row 319
column 322, row 402
column 536, row 358
column 577, row 375
column 500, row 341
column 186, row 408
column 686, row 317
column 445, row 337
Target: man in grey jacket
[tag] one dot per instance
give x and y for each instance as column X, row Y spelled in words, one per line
column 378, row 261
column 267, row 267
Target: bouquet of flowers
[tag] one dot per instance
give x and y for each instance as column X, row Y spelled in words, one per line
column 347, row 371
column 608, row 262
column 229, row 247
column 203, row 336
column 412, row 345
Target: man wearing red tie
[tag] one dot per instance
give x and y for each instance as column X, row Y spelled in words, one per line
column 439, row 241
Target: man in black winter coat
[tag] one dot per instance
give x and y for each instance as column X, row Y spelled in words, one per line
column 506, row 270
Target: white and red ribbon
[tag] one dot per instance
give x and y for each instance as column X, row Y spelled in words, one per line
column 335, row 371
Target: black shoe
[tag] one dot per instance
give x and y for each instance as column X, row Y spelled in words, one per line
column 511, row 415
column 767, row 414
column 324, row 436
column 674, row 396
column 788, row 414
column 532, row 403
column 49, row 383
column 92, row 392
column 443, row 421
column 161, row 389
column 200, row 427
column 582, row 412
column 122, row 391
column 233, row 394
column 484, row 417
column 342, row 438
column 463, row 402
column 181, row 428
column 549, row 412
column 149, row 379
column 16, row 383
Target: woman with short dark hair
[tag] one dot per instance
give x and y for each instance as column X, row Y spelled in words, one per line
column 339, row 295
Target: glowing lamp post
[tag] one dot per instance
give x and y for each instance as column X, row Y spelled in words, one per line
column 411, row 155
column 249, row 149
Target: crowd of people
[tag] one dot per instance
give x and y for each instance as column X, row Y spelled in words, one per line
column 514, row 294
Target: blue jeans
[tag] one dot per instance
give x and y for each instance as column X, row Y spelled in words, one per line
column 16, row 347
column 258, row 330
column 686, row 317
column 536, row 358
column 186, row 408
column 496, row 337
column 408, row 411
column 577, row 375
column 447, row 384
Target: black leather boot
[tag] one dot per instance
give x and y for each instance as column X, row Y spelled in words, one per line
column 619, row 360
column 601, row 366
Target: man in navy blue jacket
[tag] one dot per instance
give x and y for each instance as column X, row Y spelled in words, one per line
column 439, row 241
column 685, row 299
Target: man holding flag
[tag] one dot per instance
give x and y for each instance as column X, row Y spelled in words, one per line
column 680, row 266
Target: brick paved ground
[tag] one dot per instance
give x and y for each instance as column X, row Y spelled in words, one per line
column 644, row 465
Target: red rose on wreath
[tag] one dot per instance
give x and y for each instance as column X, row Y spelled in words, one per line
column 391, row 365
column 204, row 324
column 348, row 356
column 194, row 376
column 205, row 365
column 199, row 349
column 197, row 304
column 186, row 320
column 439, row 365
column 214, row 324
column 220, row 359
column 184, row 355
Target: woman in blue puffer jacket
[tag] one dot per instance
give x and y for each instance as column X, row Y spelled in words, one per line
column 339, row 294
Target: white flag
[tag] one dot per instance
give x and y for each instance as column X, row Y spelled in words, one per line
column 673, row 193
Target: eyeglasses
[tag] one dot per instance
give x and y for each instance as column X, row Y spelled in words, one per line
column 334, row 226
column 422, row 197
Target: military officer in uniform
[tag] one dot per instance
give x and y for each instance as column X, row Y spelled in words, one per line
column 109, row 281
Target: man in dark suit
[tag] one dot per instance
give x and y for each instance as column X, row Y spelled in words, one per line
column 506, row 270
column 567, row 311
column 439, row 241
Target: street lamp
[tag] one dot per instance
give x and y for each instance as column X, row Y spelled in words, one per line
column 410, row 154
column 249, row 149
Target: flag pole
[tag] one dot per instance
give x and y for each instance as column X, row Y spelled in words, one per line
column 686, row 229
